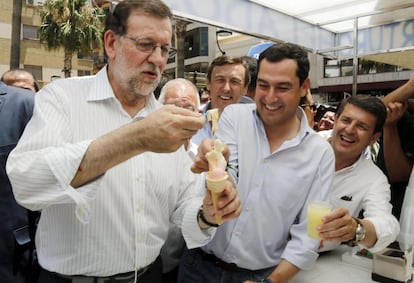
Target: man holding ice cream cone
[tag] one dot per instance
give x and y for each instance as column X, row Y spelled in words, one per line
column 279, row 164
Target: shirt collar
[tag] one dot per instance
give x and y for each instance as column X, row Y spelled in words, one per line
column 101, row 88
column 352, row 167
column 304, row 129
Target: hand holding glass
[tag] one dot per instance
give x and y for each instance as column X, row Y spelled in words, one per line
column 316, row 211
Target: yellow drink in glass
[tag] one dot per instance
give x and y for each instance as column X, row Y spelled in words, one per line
column 316, row 211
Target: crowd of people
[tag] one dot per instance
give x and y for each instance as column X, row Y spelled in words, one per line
column 104, row 181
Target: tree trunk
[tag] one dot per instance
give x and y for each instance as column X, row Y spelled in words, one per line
column 15, row 34
column 67, row 65
column 180, row 31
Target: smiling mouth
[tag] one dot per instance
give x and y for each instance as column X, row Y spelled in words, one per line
column 345, row 139
column 224, row 97
column 272, row 107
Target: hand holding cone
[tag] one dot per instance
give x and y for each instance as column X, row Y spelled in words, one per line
column 217, row 176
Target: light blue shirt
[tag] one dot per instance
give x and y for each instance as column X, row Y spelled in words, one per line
column 205, row 132
column 274, row 189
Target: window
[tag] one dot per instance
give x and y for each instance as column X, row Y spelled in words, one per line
column 196, row 43
column 84, row 73
column 30, row 32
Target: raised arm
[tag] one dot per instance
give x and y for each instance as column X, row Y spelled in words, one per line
column 165, row 130
column 396, row 162
column 402, row 93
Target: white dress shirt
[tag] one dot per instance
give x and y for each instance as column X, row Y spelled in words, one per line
column 274, row 188
column 118, row 222
column 363, row 186
column 406, row 236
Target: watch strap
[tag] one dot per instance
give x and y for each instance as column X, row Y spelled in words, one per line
column 200, row 215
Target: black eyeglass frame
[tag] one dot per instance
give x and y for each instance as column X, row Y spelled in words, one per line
column 313, row 106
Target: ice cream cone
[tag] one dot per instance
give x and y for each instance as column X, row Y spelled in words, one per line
column 216, row 186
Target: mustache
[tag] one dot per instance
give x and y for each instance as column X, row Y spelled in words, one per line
column 152, row 69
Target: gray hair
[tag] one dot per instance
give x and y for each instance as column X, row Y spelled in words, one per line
column 183, row 82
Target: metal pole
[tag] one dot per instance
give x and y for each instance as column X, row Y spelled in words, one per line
column 355, row 59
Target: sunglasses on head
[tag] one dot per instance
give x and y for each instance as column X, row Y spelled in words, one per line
column 312, row 106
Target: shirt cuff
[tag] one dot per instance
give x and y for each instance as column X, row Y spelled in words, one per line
column 64, row 163
column 193, row 235
column 387, row 230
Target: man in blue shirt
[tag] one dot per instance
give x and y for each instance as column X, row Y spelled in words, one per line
column 281, row 165
column 227, row 81
column 16, row 106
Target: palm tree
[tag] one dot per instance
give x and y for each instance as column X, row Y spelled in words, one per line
column 73, row 25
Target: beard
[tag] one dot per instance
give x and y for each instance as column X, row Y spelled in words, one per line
column 139, row 88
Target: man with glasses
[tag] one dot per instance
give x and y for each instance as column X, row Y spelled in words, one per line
column 181, row 93
column 310, row 108
column 106, row 164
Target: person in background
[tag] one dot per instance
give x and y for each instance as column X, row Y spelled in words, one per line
column 16, row 107
column 181, row 93
column 251, row 89
column 327, row 121
column 20, row 78
column 310, row 107
column 358, row 184
column 204, row 97
column 157, row 91
column 227, row 81
column 396, row 153
column 280, row 165
column 105, row 161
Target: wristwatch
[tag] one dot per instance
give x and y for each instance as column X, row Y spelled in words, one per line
column 360, row 231
column 200, row 215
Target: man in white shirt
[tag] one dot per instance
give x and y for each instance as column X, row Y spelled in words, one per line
column 181, row 93
column 105, row 163
column 359, row 185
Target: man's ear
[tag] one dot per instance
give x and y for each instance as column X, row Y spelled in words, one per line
column 109, row 42
column 374, row 138
column 305, row 87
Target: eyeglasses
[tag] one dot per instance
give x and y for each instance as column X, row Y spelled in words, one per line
column 148, row 46
column 312, row 106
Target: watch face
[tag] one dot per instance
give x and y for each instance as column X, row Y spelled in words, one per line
column 360, row 232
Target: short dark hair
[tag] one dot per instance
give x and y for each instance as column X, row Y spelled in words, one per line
column 368, row 103
column 117, row 19
column 252, row 64
column 228, row 60
column 280, row 51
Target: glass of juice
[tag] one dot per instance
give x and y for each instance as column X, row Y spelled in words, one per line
column 316, row 211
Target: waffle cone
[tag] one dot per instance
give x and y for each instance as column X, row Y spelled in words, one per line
column 216, row 185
